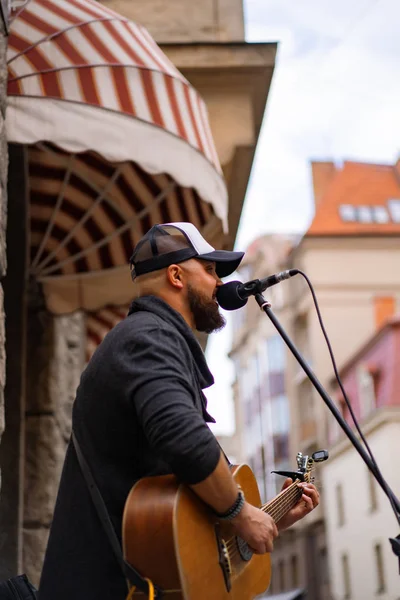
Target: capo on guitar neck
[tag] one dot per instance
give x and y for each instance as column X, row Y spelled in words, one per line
column 292, row 474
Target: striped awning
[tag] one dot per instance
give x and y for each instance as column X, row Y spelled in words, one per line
column 116, row 140
column 99, row 323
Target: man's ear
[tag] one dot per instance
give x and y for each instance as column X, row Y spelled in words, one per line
column 174, row 276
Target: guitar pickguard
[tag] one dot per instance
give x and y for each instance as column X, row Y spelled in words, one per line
column 244, row 550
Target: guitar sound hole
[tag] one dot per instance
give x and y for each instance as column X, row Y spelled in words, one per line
column 245, row 552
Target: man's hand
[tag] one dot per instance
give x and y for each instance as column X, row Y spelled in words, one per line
column 256, row 528
column 308, row 501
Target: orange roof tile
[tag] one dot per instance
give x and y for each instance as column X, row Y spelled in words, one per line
column 363, row 192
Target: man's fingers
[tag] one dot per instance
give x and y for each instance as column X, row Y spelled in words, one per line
column 310, row 491
column 262, row 548
column 308, row 503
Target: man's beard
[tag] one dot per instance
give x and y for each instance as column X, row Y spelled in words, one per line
column 207, row 317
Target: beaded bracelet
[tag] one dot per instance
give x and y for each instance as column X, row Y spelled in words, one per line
column 234, row 510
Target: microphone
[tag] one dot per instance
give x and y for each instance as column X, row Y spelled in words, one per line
column 234, row 294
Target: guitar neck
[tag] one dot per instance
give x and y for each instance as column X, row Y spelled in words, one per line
column 283, row 502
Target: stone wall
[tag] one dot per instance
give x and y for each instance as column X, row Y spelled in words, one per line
column 3, row 211
column 55, row 361
column 185, row 20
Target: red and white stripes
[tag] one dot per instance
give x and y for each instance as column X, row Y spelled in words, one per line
column 80, row 51
column 116, row 140
column 99, row 323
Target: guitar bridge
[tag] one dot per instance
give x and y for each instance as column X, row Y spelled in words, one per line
column 224, row 559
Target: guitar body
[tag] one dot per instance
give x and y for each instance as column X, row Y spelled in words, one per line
column 173, row 538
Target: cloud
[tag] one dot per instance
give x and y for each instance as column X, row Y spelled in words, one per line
column 334, row 95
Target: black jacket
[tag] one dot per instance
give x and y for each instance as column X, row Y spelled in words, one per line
column 139, row 411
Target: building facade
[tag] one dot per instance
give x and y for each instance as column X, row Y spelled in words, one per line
column 350, row 253
column 359, row 517
column 262, row 414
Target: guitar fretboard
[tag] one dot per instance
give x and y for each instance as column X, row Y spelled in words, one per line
column 284, row 501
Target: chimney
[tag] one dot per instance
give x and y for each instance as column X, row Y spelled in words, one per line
column 397, row 168
column 322, row 175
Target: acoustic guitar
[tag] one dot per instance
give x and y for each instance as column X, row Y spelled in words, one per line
column 171, row 537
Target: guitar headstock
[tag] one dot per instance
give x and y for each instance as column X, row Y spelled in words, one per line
column 305, row 465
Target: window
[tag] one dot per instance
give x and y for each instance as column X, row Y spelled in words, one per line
column 276, row 354
column 276, row 383
column 262, row 357
column 364, row 214
column 301, row 327
column 347, row 212
column 346, row 577
column 394, row 209
column 280, row 414
column 324, row 569
column 366, row 390
column 281, row 447
column 344, row 409
column 373, row 498
column 247, row 413
column 294, row 568
column 277, row 297
column 340, row 504
column 381, row 588
column 305, row 404
column 380, row 214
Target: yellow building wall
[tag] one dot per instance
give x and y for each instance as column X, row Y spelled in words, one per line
column 185, row 20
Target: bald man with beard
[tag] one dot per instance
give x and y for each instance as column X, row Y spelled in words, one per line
column 140, row 410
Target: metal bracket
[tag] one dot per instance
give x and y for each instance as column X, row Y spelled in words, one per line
column 5, row 14
column 7, row 7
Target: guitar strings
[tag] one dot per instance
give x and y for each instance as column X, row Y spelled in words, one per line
column 278, row 505
column 275, row 508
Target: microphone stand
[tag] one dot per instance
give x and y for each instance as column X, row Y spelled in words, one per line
column 266, row 307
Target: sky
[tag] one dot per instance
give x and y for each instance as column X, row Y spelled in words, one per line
column 335, row 95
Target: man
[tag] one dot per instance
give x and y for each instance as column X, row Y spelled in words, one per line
column 140, row 411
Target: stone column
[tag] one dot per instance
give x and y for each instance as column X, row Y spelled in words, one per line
column 55, row 361
column 3, row 223
column 3, row 209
